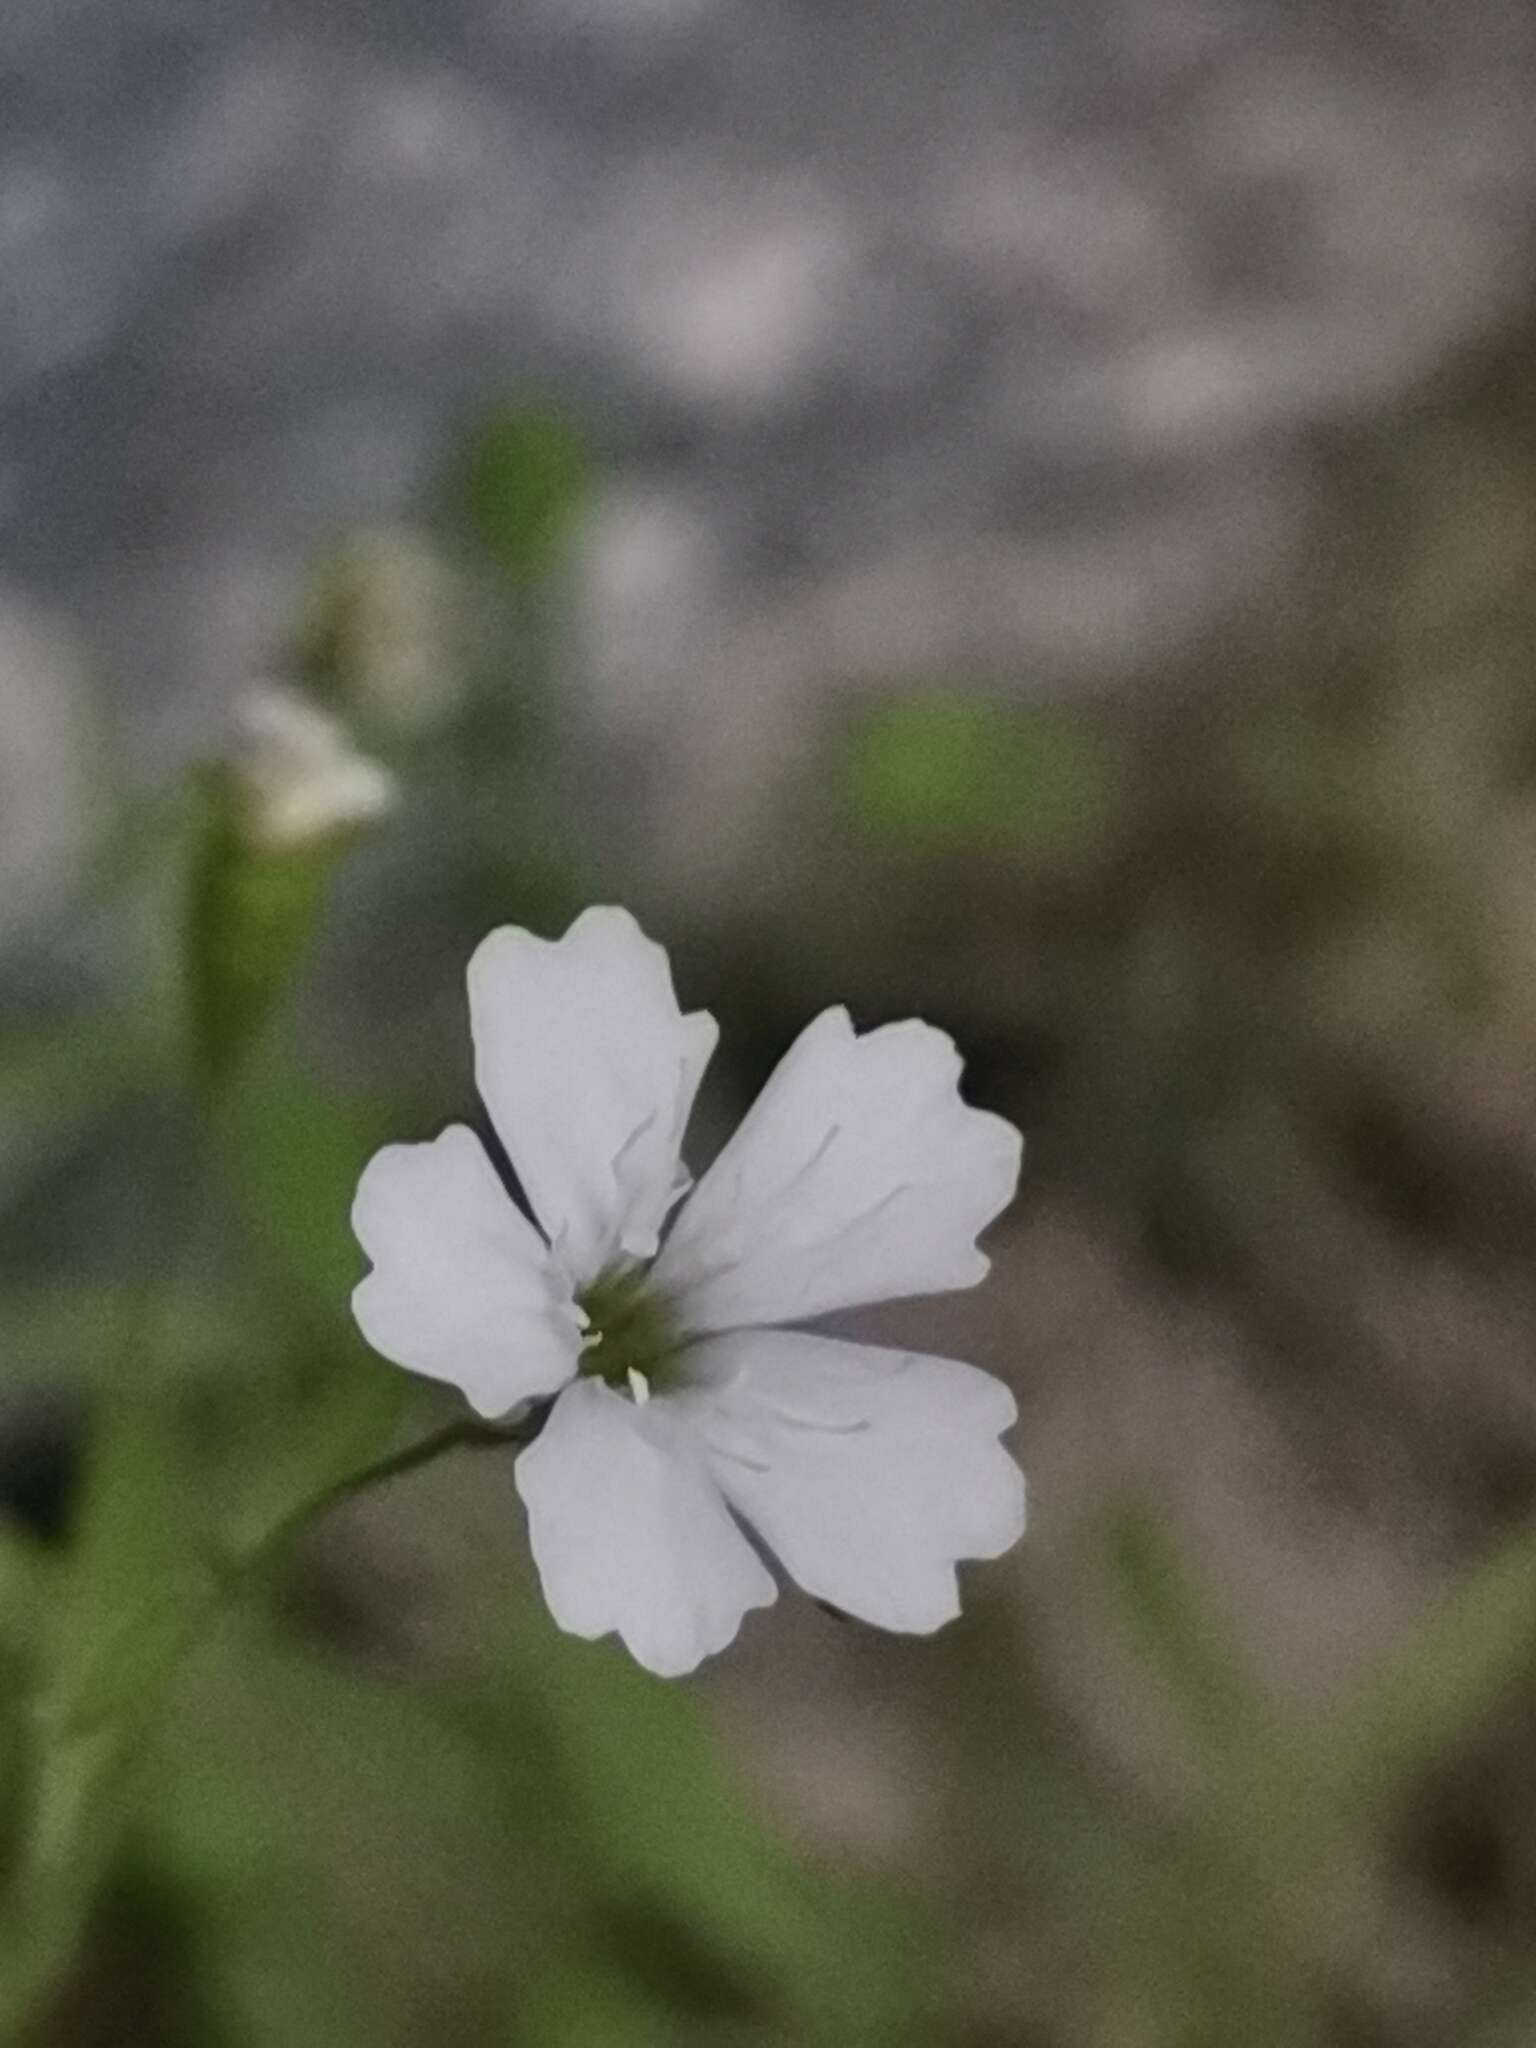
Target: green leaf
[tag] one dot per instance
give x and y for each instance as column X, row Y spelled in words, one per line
column 24, row 1587
column 295, row 1153
column 515, row 485
column 256, row 1937
column 957, row 768
column 139, row 1575
column 376, row 1803
column 1474, row 1642
column 585, row 2000
column 250, row 913
column 132, row 1594
column 1183, row 1639
column 57, row 1081
column 666, row 1831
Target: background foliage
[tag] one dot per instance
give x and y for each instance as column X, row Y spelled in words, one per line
column 1236, row 1748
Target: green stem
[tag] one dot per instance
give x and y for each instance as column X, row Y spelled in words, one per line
column 464, row 1435
column 60, row 1870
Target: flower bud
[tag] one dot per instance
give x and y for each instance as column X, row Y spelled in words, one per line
column 377, row 631
column 298, row 779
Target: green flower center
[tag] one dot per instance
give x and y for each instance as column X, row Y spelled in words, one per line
column 631, row 1333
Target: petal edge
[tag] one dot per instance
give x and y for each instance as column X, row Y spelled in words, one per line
column 868, row 1473
column 462, row 1289
column 588, row 1069
column 632, row 1536
column 860, row 1174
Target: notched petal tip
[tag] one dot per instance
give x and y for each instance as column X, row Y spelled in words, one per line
column 610, row 918
column 971, row 1267
column 1004, row 1144
column 876, row 1518
column 588, row 1069
column 860, row 1174
column 631, row 1535
column 1012, row 1527
column 680, row 1662
column 926, row 1619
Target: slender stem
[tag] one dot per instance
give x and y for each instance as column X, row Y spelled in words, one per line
column 55, row 1909
column 70, row 1824
column 464, row 1435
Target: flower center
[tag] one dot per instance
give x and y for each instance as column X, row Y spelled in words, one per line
column 631, row 1336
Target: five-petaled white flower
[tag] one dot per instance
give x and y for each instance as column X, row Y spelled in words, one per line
column 685, row 1414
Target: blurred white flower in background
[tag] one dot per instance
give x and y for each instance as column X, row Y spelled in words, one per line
column 684, row 1410
column 298, row 774
column 378, row 623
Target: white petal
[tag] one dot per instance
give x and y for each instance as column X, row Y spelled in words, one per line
column 631, row 1534
column 588, row 1070
column 866, row 1472
column 463, row 1288
column 858, row 1175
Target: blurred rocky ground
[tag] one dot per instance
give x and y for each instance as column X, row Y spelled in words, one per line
column 989, row 336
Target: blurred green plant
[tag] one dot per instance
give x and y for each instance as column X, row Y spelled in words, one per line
column 621, row 1889
column 513, row 485
column 1238, row 943
column 954, row 768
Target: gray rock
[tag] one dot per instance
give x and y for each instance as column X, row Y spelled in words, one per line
column 853, row 293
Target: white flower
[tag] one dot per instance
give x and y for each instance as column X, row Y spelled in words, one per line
column 300, row 778
column 684, row 1413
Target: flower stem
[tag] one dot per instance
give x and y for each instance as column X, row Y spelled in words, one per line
column 54, row 1900
column 463, row 1435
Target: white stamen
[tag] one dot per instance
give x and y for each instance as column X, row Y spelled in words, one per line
column 639, row 1386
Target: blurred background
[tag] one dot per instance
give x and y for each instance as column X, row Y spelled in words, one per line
column 1014, row 512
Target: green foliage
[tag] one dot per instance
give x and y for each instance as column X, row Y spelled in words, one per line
column 353, row 1789
column 251, row 911
column 139, row 1578
column 553, row 1826
column 136, row 1587
column 294, row 1154
column 953, row 768
column 1182, row 1642
column 57, row 1081
column 514, row 485
column 549, row 1846
column 294, row 1151
column 671, row 1848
